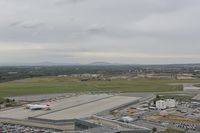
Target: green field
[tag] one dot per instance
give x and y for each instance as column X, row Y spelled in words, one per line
column 46, row 85
column 197, row 85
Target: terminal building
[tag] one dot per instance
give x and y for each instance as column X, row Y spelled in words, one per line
column 163, row 104
column 170, row 103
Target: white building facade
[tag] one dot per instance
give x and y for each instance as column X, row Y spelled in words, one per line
column 161, row 105
column 170, row 103
column 164, row 104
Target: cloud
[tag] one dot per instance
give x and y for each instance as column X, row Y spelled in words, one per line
column 27, row 24
column 63, row 2
column 9, row 48
column 134, row 55
column 117, row 30
column 96, row 29
column 15, row 23
column 32, row 25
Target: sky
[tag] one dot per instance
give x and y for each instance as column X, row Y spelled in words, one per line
column 84, row 31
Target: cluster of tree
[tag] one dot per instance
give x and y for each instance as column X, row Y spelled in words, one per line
column 13, row 73
column 7, row 102
column 20, row 72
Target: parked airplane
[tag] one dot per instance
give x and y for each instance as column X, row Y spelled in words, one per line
column 38, row 107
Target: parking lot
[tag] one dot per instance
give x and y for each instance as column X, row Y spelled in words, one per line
column 14, row 128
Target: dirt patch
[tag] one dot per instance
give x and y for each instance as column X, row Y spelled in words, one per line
column 172, row 118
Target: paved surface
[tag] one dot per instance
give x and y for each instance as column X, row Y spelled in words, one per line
column 149, row 125
column 188, row 87
column 22, row 113
column 89, row 109
column 196, row 98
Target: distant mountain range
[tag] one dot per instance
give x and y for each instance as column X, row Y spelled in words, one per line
column 102, row 64
column 70, row 64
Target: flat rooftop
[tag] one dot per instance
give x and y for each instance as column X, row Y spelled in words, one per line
column 74, row 107
column 88, row 109
column 56, row 105
column 114, row 125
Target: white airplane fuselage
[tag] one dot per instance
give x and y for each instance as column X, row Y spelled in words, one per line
column 37, row 107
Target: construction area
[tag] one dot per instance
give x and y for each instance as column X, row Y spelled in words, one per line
column 172, row 118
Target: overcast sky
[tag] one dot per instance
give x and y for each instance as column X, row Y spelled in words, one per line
column 83, row 31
